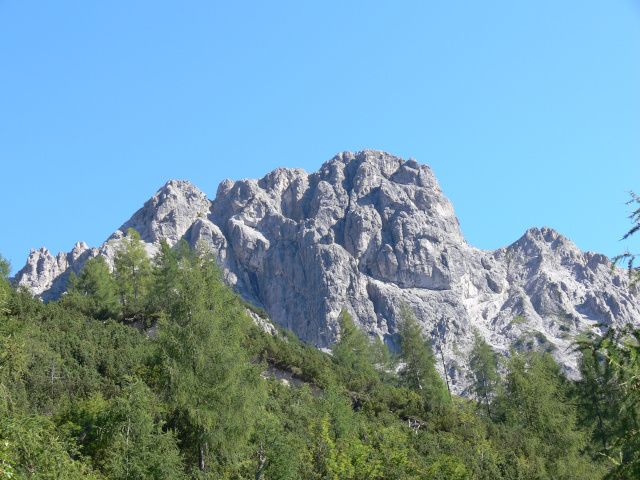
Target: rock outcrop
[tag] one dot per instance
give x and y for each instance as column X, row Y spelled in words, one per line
column 169, row 214
column 46, row 276
column 363, row 233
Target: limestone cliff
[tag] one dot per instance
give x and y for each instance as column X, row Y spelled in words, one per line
column 364, row 232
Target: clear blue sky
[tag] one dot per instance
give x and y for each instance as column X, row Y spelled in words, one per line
column 527, row 111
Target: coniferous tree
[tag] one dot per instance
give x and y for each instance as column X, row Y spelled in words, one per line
column 209, row 382
column 483, row 364
column 165, row 274
column 419, row 371
column 535, row 400
column 132, row 269
column 277, row 448
column 380, row 354
column 5, row 270
column 97, row 285
column 354, row 352
column 629, row 257
column 620, row 350
column 598, row 396
column 32, row 448
column 5, row 267
column 13, row 366
column 138, row 446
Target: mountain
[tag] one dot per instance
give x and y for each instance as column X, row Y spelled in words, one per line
column 365, row 232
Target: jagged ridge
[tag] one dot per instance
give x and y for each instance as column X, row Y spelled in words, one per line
column 364, row 232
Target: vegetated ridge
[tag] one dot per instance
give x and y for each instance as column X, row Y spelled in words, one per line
column 363, row 233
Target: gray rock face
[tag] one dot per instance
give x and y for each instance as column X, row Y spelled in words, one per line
column 364, row 232
column 46, row 276
column 169, row 214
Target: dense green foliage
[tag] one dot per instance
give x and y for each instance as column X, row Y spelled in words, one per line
column 85, row 395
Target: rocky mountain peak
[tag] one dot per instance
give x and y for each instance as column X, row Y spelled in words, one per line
column 365, row 232
column 46, row 276
column 168, row 214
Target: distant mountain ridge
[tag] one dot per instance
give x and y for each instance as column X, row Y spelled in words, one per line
column 364, row 232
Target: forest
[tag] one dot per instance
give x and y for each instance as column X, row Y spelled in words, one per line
column 85, row 394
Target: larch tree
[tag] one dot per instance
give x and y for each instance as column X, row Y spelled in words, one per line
column 620, row 350
column 132, row 269
column 354, row 352
column 628, row 257
column 598, row 396
column 5, row 270
column 96, row 283
column 483, row 364
column 535, row 400
column 213, row 388
column 164, row 275
column 138, row 446
column 419, row 370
